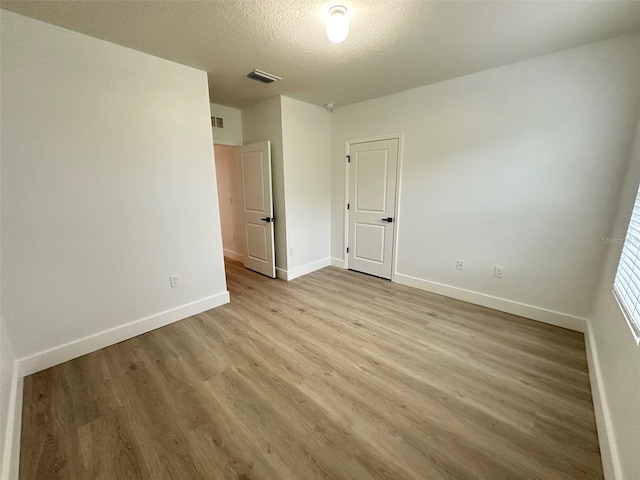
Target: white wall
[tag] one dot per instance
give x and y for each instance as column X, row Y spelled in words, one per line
column 9, row 418
column 306, row 133
column 518, row 166
column 617, row 355
column 231, row 134
column 108, row 187
column 300, row 136
column 260, row 123
column 229, row 178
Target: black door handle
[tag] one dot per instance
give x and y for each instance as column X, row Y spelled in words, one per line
column 268, row 219
column 388, row 219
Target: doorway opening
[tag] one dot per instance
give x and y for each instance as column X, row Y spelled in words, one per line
column 245, row 197
column 228, row 177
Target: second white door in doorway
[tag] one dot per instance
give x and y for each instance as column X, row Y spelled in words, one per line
column 372, row 201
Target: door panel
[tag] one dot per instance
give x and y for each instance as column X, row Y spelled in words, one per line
column 372, row 196
column 258, row 207
column 371, row 181
column 369, row 242
column 253, row 181
column 257, row 238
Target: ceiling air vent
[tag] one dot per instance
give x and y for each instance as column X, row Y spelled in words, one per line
column 263, row 77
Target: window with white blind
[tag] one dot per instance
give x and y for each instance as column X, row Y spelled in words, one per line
column 626, row 285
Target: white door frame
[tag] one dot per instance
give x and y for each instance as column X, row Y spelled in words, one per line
column 396, row 217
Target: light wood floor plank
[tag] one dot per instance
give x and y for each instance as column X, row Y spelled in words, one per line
column 335, row 375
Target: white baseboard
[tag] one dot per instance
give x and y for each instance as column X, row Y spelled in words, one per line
column 77, row 348
column 11, row 454
column 337, row 262
column 238, row 257
column 608, row 449
column 308, row 268
column 289, row 275
column 281, row 273
column 551, row 317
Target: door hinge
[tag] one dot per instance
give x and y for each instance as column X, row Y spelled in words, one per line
column 348, row 158
column 347, row 249
column 347, row 206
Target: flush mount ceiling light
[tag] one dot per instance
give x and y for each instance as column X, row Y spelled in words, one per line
column 337, row 24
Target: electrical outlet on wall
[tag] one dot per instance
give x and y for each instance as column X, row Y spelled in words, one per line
column 498, row 272
column 292, row 251
column 174, row 280
column 460, row 265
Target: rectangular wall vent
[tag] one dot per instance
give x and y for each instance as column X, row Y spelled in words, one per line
column 263, row 77
column 217, row 122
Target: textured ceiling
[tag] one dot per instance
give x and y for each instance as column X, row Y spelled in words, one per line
column 393, row 45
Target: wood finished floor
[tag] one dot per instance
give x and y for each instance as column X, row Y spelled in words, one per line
column 336, row 375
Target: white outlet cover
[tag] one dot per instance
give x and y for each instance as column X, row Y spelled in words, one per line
column 174, row 281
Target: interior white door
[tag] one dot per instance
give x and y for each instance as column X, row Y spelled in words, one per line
column 372, row 201
column 258, row 207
